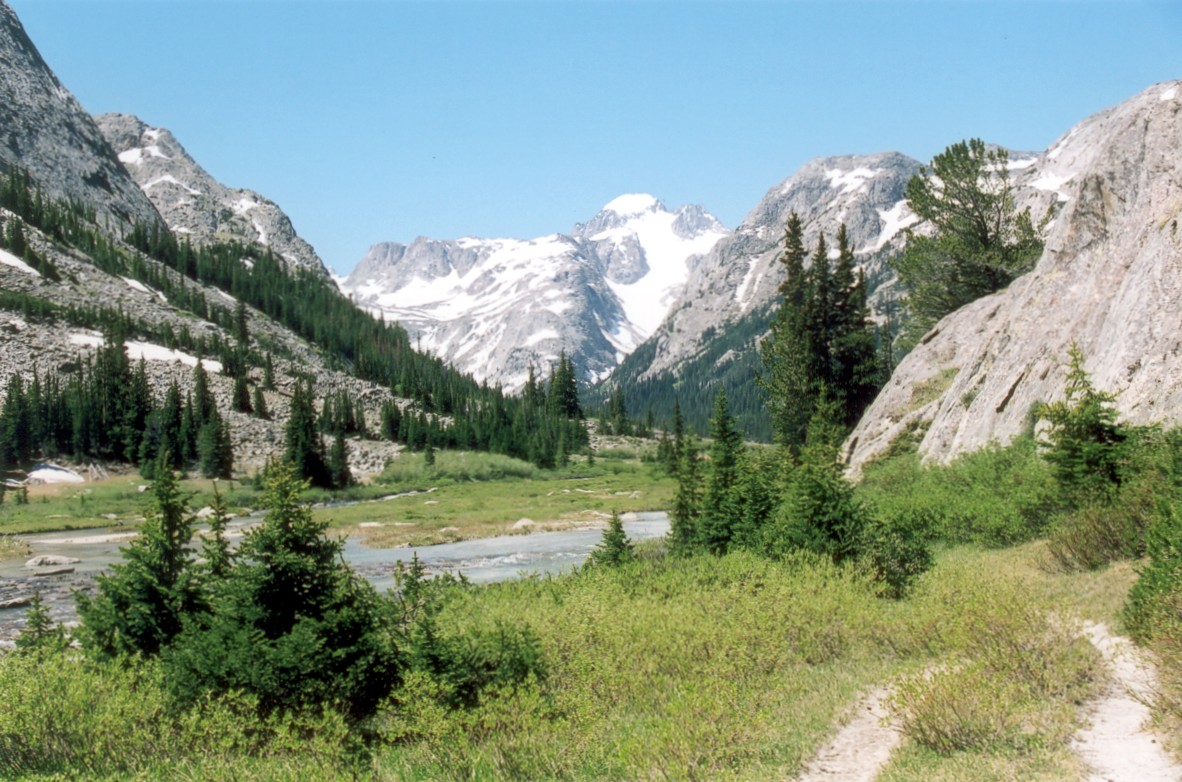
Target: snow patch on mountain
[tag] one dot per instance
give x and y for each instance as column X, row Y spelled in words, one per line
column 8, row 259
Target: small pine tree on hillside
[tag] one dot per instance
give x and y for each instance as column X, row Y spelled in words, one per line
column 1086, row 443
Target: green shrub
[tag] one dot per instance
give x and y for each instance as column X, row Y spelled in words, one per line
column 898, row 549
column 819, row 513
column 997, row 496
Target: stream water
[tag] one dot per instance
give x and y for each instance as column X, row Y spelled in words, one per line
column 483, row 560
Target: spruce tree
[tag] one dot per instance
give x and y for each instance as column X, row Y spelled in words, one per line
column 338, row 463
column 303, row 448
column 139, row 606
column 787, row 380
column 259, row 405
column 40, row 635
column 292, row 624
column 614, row 548
column 720, row 504
column 687, row 504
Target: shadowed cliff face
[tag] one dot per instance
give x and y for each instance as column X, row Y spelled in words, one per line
column 44, row 130
column 1110, row 279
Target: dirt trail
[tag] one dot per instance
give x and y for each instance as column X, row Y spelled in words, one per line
column 1118, row 745
column 861, row 747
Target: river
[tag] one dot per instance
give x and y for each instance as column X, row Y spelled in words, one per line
column 483, row 560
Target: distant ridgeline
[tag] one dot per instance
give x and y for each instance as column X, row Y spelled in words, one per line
column 447, row 409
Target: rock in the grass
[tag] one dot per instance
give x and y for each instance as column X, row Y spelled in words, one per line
column 50, row 560
column 523, row 523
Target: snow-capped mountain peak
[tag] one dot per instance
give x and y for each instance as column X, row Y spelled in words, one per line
column 494, row 306
column 633, row 204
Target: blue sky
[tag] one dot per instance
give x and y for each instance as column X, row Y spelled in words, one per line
column 374, row 121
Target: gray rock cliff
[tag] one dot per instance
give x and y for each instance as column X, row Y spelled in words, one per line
column 1109, row 279
column 44, row 130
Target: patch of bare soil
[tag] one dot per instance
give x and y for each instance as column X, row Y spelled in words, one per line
column 861, row 747
column 1118, row 744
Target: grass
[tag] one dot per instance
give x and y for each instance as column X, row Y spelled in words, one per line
column 471, row 495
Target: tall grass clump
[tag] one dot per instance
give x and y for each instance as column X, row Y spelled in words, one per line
column 411, row 471
column 1011, row 677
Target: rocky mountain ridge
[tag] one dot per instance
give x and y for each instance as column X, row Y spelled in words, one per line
column 494, row 307
column 45, row 131
column 193, row 203
column 741, row 275
column 1109, row 280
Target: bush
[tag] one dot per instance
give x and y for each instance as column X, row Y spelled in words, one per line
column 997, row 496
column 898, row 550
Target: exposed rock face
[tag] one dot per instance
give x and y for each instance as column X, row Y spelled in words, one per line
column 493, row 307
column 740, row 274
column 44, row 130
column 192, row 202
column 1110, row 280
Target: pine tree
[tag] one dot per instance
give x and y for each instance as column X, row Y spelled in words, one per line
column 303, row 448
column 338, row 463
column 292, row 624
column 614, row 548
column 241, row 394
column 1086, row 443
column 215, row 452
column 139, row 605
column 854, row 358
column 259, row 405
column 720, row 504
column 981, row 242
column 40, row 635
column 687, row 504
column 787, row 380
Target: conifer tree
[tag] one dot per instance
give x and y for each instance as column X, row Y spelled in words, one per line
column 981, row 242
column 687, row 504
column 292, row 625
column 139, row 605
column 786, row 380
column 720, row 504
column 614, row 548
column 259, row 404
column 40, row 635
column 303, row 448
column 242, row 394
column 338, row 462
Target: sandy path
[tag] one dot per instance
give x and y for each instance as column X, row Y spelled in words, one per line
column 861, row 747
column 1118, row 745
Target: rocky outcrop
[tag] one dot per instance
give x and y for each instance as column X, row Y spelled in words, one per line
column 44, row 130
column 1109, row 280
column 493, row 307
column 193, row 203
